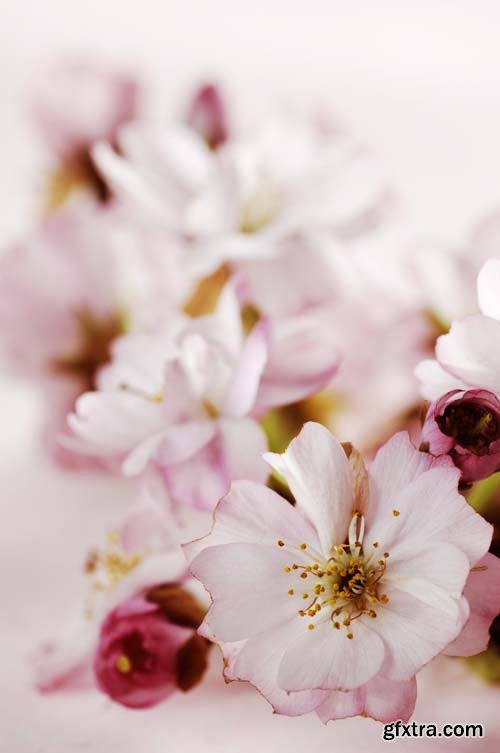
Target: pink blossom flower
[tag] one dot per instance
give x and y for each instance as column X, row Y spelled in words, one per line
column 80, row 101
column 135, row 635
column 336, row 603
column 466, row 426
column 207, row 116
column 82, row 279
column 254, row 198
column 187, row 401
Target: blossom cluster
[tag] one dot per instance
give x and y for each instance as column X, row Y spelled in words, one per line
column 232, row 314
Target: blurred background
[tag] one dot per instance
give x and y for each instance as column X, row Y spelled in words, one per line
column 417, row 81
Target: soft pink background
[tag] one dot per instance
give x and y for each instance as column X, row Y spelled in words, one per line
column 418, row 81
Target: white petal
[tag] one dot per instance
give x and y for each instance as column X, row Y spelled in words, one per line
column 488, row 288
column 319, row 476
column 326, row 658
column 249, row 589
column 414, row 632
column 471, row 351
column 435, row 381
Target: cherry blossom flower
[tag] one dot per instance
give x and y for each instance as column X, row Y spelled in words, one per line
column 336, row 603
column 187, row 400
column 135, row 636
column 254, row 198
column 85, row 277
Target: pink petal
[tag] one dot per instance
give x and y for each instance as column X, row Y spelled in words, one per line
column 65, row 662
column 248, row 586
column 435, row 574
column 381, row 698
column 319, row 476
column 243, row 444
column 482, row 591
column 243, row 387
column 302, row 359
column 114, row 422
column 471, row 351
column 435, row 381
column 258, row 660
column 326, row 658
column 234, row 453
column 432, row 511
column 253, row 513
column 414, row 632
column 396, row 465
column 181, row 441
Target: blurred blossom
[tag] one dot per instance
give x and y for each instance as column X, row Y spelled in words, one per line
column 250, row 198
column 137, row 627
column 78, row 102
column 207, row 116
column 85, row 277
column 336, row 603
column 75, row 103
column 187, row 400
column 466, row 426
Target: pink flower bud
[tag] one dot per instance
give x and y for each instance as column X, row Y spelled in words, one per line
column 148, row 648
column 466, row 426
column 207, row 116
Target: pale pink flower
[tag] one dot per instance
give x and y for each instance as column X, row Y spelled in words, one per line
column 77, row 102
column 135, row 635
column 254, row 198
column 85, row 277
column 336, row 603
column 187, row 401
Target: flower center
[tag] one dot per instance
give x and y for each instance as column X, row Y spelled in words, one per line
column 135, row 656
column 110, row 565
column 260, row 208
column 473, row 426
column 95, row 339
column 343, row 587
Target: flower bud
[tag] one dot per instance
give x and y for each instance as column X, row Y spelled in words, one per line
column 466, row 426
column 148, row 647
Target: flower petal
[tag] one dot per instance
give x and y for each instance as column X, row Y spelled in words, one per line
column 482, row 591
column 429, row 510
column 471, row 351
column 396, row 465
column 381, row 698
column 488, row 288
column 319, row 476
column 326, row 658
column 252, row 513
column 258, row 661
column 249, row 589
column 414, row 632
column 242, row 389
column 435, row 381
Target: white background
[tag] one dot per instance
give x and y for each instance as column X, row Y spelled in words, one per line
column 417, row 81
